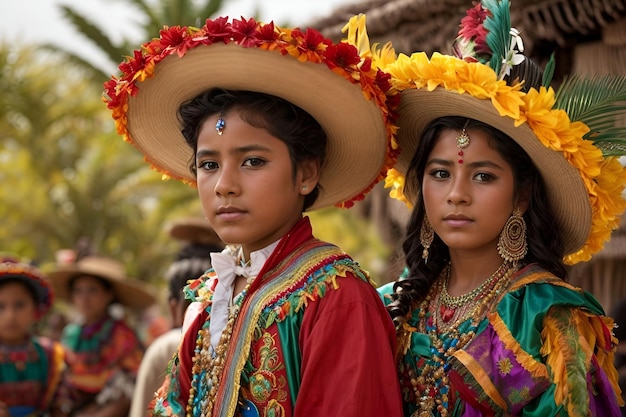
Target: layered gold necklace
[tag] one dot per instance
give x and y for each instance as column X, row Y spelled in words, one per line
column 448, row 333
column 452, row 309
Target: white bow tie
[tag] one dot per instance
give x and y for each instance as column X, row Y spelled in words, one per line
column 227, row 268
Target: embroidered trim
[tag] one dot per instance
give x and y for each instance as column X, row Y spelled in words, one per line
column 302, row 277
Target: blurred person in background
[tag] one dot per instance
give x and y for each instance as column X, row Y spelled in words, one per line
column 191, row 262
column 30, row 366
column 103, row 352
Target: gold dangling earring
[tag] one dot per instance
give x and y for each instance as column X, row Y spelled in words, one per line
column 512, row 244
column 427, row 235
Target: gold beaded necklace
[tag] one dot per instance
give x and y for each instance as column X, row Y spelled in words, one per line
column 450, row 309
column 429, row 378
column 460, row 300
column 208, row 363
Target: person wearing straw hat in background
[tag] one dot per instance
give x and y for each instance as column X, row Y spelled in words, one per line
column 508, row 183
column 30, row 366
column 192, row 261
column 268, row 122
column 102, row 352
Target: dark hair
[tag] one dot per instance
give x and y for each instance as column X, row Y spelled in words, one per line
column 191, row 262
column 545, row 246
column 32, row 289
column 302, row 134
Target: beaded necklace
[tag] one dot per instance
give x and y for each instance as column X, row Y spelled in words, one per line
column 18, row 356
column 451, row 309
column 450, row 301
column 208, row 363
column 429, row 379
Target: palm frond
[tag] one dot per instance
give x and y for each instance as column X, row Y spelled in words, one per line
column 599, row 102
column 92, row 33
column 548, row 71
column 612, row 142
column 498, row 26
column 153, row 23
column 91, row 71
column 210, row 8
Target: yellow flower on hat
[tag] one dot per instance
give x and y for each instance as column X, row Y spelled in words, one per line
column 395, row 180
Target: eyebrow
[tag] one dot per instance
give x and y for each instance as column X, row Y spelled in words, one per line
column 476, row 164
column 241, row 150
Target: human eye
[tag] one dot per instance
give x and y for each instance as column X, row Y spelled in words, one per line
column 484, row 177
column 207, row 165
column 439, row 173
column 253, row 162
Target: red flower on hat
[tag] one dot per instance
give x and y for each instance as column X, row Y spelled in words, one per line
column 473, row 29
column 245, row 32
column 343, row 55
column 218, row 30
column 307, row 46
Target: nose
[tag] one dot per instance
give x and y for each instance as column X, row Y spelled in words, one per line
column 459, row 192
column 227, row 182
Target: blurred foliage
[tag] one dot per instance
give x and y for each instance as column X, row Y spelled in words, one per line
column 68, row 176
column 153, row 15
column 355, row 235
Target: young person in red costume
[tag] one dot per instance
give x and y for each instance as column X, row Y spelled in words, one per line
column 269, row 122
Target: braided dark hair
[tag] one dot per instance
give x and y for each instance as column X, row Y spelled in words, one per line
column 545, row 246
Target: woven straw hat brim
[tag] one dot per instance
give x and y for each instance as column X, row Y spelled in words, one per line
column 129, row 292
column 567, row 194
column 33, row 277
column 194, row 230
column 354, row 125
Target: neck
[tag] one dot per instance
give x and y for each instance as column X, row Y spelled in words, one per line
column 14, row 343
column 468, row 272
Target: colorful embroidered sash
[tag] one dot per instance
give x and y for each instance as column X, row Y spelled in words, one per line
column 292, row 273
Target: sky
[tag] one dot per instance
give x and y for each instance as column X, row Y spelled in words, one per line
column 40, row 21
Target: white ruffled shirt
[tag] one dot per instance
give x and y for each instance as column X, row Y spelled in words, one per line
column 227, row 268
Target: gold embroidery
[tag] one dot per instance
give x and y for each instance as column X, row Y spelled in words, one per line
column 265, row 381
column 505, row 366
column 274, row 409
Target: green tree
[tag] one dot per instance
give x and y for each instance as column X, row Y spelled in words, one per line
column 154, row 14
column 68, row 176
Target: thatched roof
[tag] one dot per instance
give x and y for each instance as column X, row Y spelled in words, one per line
column 431, row 25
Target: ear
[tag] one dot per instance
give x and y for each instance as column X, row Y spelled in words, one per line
column 175, row 314
column 308, row 175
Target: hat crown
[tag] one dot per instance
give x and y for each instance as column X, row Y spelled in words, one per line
column 100, row 266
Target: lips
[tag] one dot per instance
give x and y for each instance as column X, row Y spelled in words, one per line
column 229, row 209
column 230, row 213
column 457, row 220
column 456, row 217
